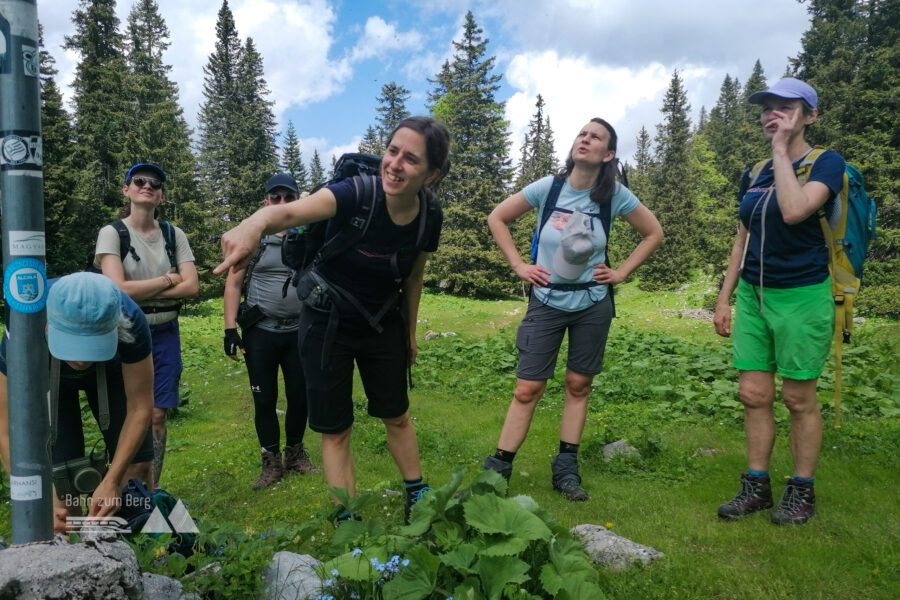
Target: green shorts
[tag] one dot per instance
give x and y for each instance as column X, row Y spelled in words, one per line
column 791, row 334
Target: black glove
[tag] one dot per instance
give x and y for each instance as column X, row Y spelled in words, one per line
column 232, row 342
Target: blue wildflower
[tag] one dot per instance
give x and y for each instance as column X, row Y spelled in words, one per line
column 328, row 582
column 334, row 572
column 356, row 552
column 405, row 562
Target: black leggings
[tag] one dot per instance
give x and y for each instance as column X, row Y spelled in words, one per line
column 266, row 351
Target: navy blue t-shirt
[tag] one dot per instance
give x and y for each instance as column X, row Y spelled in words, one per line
column 790, row 255
column 127, row 352
column 366, row 270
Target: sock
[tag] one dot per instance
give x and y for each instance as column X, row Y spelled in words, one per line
column 504, row 455
column 414, row 485
column 758, row 473
column 274, row 448
column 567, row 448
column 795, row 477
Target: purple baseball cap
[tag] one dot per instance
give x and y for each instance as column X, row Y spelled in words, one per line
column 788, row 88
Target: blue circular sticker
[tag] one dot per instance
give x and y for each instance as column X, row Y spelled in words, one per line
column 25, row 285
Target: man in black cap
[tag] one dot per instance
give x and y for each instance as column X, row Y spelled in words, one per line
column 269, row 318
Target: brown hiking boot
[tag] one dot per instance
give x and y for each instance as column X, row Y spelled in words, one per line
column 296, row 458
column 272, row 470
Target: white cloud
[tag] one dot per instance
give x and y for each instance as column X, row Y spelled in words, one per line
column 574, row 91
column 380, row 37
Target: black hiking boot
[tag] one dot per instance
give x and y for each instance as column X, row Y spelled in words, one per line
column 755, row 495
column 566, row 479
column 492, row 463
column 798, row 504
column 413, row 496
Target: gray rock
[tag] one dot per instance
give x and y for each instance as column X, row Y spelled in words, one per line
column 291, row 577
column 160, row 587
column 611, row 550
column 620, row 447
column 430, row 335
column 95, row 569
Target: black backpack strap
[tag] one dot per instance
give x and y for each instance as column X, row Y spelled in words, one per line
column 606, row 222
column 549, row 206
column 169, row 236
column 356, row 227
column 125, row 247
column 252, row 265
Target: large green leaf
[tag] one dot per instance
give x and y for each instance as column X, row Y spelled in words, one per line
column 461, row 558
column 469, row 589
column 416, row 580
column 356, row 567
column 497, row 571
column 503, row 545
column 491, row 514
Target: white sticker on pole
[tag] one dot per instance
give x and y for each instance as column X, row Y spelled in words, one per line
column 27, row 243
column 25, row 488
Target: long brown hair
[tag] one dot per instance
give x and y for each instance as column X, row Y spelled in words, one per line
column 605, row 185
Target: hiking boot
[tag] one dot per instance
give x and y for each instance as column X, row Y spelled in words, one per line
column 492, row 463
column 755, row 494
column 344, row 516
column 272, row 470
column 566, row 479
column 798, row 504
column 296, row 458
column 413, row 496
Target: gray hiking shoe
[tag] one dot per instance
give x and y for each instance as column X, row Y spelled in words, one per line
column 296, row 459
column 566, row 479
column 272, row 470
column 492, row 463
column 755, row 495
column 798, row 504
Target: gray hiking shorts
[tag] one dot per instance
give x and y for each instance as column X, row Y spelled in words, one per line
column 541, row 333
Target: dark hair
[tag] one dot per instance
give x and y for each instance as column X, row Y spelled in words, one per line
column 605, row 184
column 437, row 144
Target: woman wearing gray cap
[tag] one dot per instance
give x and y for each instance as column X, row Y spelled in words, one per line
column 785, row 312
column 157, row 271
column 269, row 317
column 570, row 292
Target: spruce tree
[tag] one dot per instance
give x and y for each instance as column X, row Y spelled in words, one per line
column 316, row 170
column 538, row 154
column 723, row 132
column 65, row 252
column 674, row 200
column 292, row 159
column 103, row 116
column 468, row 261
column 370, row 142
column 391, row 110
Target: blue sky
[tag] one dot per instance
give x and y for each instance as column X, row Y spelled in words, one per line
column 326, row 61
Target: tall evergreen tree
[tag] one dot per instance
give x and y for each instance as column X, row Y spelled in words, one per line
column 316, row 170
column 371, row 143
column 103, row 116
column 674, row 178
column 391, row 110
column 851, row 55
column 159, row 132
column 292, row 158
column 722, row 131
column 219, row 115
column 538, row 154
column 463, row 98
column 64, row 252
column 753, row 144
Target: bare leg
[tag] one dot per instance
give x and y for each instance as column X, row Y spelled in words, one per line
column 578, row 390
column 337, row 461
column 401, row 439
column 806, row 424
column 521, row 410
column 757, row 391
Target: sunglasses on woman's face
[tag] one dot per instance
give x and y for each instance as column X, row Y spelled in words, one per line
column 289, row 197
column 141, row 181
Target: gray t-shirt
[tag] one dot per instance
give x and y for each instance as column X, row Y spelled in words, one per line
column 266, row 289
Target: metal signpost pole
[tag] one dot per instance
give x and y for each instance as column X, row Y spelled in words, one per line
column 24, row 271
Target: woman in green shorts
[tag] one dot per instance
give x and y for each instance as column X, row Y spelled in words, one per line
column 785, row 313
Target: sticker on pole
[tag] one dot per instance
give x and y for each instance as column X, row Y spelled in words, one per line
column 25, row 285
column 25, row 488
column 21, row 150
column 27, row 243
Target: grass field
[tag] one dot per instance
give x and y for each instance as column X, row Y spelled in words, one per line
column 668, row 388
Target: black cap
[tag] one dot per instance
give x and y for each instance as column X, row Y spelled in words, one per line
column 146, row 167
column 281, row 180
